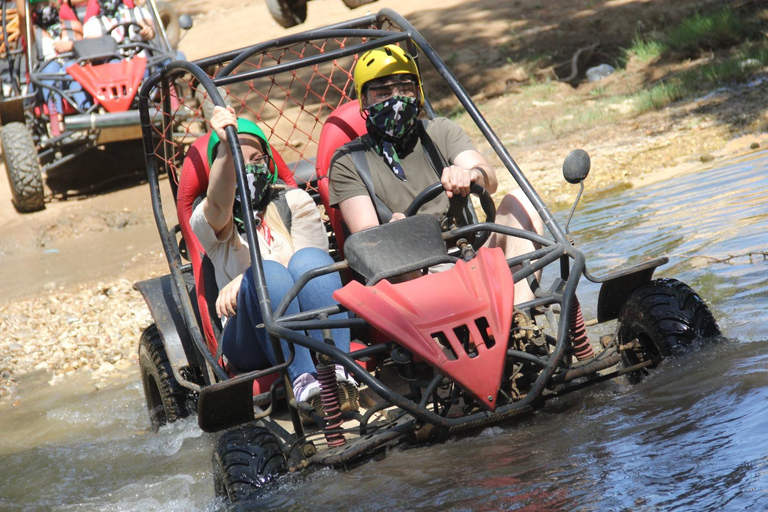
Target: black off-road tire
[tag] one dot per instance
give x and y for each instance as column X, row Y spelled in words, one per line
column 353, row 4
column 288, row 13
column 23, row 168
column 667, row 317
column 246, row 460
column 170, row 20
column 166, row 399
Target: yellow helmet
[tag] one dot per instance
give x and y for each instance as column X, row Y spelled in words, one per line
column 385, row 61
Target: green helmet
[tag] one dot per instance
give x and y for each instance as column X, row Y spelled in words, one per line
column 246, row 127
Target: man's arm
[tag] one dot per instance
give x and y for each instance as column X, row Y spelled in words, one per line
column 358, row 213
column 468, row 167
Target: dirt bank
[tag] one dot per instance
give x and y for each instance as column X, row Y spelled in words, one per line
column 67, row 304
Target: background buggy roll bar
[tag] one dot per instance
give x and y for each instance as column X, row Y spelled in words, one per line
column 282, row 327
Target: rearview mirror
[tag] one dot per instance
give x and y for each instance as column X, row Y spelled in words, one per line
column 185, row 21
column 576, row 166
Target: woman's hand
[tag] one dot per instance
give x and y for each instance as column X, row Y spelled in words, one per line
column 63, row 46
column 226, row 303
column 223, row 117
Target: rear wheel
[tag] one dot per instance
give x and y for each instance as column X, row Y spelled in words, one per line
column 22, row 167
column 166, row 399
column 288, row 13
column 170, row 20
column 352, row 4
column 245, row 461
column 665, row 316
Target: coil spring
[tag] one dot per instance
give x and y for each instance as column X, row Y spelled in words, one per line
column 329, row 396
column 579, row 338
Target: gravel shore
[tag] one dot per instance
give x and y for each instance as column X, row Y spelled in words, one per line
column 92, row 329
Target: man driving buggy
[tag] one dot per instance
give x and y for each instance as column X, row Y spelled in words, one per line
column 404, row 155
column 104, row 15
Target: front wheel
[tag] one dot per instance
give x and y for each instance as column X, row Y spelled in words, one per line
column 288, row 13
column 662, row 318
column 23, row 168
column 245, row 461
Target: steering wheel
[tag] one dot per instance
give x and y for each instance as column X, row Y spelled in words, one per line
column 434, row 190
column 126, row 43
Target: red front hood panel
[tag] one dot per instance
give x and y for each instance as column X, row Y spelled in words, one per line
column 112, row 85
column 416, row 312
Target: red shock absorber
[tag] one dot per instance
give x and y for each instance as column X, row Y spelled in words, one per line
column 579, row 339
column 53, row 115
column 329, row 395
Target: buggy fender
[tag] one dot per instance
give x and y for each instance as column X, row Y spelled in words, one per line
column 12, row 110
column 619, row 285
column 159, row 296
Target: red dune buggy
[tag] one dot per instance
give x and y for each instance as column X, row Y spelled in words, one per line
column 442, row 354
column 102, row 109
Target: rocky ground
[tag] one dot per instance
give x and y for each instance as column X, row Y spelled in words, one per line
column 68, row 304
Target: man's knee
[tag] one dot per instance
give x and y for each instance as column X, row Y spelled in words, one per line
column 516, row 210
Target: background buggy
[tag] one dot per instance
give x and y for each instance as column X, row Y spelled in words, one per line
column 439, row 366
column 34, row 141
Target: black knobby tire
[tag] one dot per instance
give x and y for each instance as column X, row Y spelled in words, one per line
column 170, row 20
column 246, row 460
column 666, row 316
column 288, row 13
column 23, row 168
column 166, row 399
column 353, row 4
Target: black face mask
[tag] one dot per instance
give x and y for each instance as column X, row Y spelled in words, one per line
column 259, row 179
column 110, row 7
column 46, row 16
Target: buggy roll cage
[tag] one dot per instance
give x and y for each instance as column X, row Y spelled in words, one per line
column 156, row 54
column 556, row 248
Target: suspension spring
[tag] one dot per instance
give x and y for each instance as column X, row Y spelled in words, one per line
column 579, row 338
column 329, row 395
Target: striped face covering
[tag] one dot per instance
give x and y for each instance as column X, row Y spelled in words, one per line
column 388, row 122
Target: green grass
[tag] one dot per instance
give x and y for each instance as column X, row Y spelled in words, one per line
column 658, row 96
column 708, row 31
column 644, row 51
column 739, row 67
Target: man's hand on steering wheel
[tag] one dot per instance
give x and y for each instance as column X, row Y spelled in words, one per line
column 458, row 180
column 147, row 33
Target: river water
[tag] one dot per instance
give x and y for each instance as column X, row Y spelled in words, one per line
column 692, row 436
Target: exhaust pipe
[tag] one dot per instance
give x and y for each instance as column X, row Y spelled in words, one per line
column 107, row 120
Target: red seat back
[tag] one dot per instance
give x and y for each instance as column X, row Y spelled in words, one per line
column 193, row 183
column 345, row 124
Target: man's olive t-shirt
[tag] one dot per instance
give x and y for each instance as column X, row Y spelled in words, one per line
column 346, row 183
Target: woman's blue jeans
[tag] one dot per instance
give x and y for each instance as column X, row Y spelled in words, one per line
column 247, row 347
column 78, row 95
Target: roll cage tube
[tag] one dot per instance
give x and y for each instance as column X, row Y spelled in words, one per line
column 283, row 327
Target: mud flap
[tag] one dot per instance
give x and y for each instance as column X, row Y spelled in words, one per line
column 618, row 286
column 225, row 404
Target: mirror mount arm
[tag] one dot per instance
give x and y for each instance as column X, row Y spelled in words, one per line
column 573, row 208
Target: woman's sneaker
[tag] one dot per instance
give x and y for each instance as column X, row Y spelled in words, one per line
column 306, row 388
